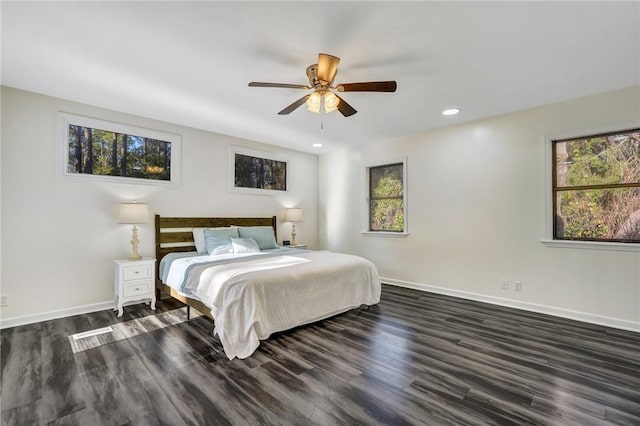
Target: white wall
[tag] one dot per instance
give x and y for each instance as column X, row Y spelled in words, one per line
column 476, row 211
column 477, row 197
column 60, row 234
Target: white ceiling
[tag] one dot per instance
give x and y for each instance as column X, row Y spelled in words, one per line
column 190, row 62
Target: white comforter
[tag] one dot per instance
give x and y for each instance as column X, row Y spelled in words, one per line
column 253, row 297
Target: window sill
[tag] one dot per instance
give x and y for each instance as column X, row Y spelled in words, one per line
column 385, row 234
column 592, row 245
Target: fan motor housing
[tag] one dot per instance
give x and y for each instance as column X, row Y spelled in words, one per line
column 312, row 74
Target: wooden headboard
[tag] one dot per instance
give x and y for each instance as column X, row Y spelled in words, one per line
column 175, row 233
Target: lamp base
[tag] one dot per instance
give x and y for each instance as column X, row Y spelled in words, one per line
column 293, row 234
column 134, row 244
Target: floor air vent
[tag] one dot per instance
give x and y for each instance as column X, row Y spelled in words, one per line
column 91, row 333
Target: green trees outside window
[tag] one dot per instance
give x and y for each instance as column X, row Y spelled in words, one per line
column 261, row 173
column 596, row 187
column 102, row 152
column 386, row 198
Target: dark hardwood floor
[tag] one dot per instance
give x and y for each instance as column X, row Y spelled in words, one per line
column 416, row 358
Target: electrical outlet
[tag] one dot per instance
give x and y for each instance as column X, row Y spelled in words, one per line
column 505, row 285
column 517, row 285
column 3, row 301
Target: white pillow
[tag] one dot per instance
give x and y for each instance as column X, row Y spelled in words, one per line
column 244, row 245
column 198, row 239
column 218, row 241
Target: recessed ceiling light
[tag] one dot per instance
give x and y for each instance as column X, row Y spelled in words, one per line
column 452, row 111
column 317, row 145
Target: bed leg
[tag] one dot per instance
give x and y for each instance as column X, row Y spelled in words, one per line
column 188, row 312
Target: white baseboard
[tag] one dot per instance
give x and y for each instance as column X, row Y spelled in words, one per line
column 532, row 307
column 50, row 315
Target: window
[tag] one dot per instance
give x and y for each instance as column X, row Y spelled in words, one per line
column 110, row 150
column 387, row 198
column 596, row 187
column 256, row 172
column 261, row 173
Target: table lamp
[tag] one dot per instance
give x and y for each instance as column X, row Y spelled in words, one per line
column 132, row 214
column 293, row 215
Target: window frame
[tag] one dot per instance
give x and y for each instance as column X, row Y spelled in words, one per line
column 367, row 198
column 67, row 119
column 550, row 222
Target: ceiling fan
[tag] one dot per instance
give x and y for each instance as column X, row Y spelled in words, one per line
column 321, row 76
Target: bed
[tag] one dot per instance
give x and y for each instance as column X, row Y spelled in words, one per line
column 253, row 287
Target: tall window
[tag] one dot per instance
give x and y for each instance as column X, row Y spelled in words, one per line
column 387, row 198
column 596, row 187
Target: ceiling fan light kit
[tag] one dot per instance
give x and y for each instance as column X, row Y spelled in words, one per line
column 321, row 77
column 318, row 99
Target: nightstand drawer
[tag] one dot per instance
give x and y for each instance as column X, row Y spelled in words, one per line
column 139, row 288
column 136, row 272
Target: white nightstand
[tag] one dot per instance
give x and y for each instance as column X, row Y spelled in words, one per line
column 300, row 246
column 135, row 282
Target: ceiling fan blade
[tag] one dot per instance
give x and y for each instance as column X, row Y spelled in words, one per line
column 371, row 86
column 294, row 105
column 286, row 86
column 327, row 67
column 344, row 108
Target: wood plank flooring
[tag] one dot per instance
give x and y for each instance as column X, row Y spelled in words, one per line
column 415, row 359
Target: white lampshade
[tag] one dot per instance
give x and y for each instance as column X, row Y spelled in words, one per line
column 133, row 213
column 313, row 102
column 293, row 215
column 331, row 102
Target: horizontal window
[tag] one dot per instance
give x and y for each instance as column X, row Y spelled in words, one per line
column 102, row 152
column 105, row 150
